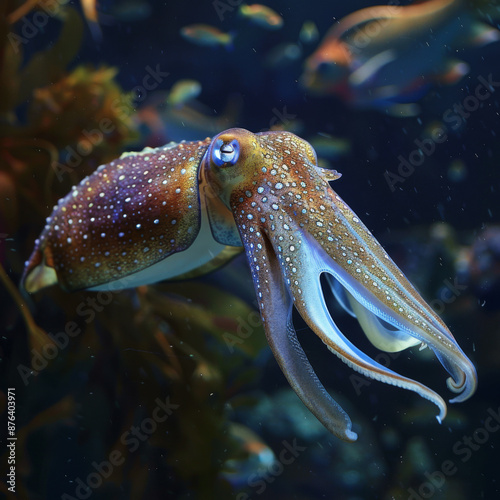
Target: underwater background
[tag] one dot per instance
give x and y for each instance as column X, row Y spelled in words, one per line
column 77, row 88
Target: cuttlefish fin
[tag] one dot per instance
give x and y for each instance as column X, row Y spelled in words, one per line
column 483, row 34
column 42, row 272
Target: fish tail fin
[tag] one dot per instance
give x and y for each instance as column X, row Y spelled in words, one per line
column 483, row 34
column 454, row 71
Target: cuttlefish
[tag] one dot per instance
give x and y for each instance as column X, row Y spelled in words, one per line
column 185, row 208
column 388, row 56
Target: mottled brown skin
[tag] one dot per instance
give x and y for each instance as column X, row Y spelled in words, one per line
column 126, row 216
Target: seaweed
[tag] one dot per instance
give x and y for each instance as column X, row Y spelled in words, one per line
column 130, row 390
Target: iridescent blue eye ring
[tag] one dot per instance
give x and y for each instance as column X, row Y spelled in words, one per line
column 226, row 153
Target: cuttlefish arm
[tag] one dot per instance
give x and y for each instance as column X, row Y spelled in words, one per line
column 294, row 228
column 275, row 303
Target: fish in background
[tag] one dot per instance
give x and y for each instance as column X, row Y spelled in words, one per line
column 89, row 9
column 183, row 91
column 282, row 55
column 207, row 36
column 254, row 460
column 308, row 33
column 387, row 57
column 160, row 122
column 262, row 16
column 110, row 12
column 128, row 11
column 328, row 147
column 287, row 53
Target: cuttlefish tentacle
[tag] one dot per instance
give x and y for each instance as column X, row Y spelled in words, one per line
column 376, row 284
column 310, row 302
column 275, row 190
column 180, row 210
column 276, row 311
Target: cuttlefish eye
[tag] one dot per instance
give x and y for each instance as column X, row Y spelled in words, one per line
column 225, row 153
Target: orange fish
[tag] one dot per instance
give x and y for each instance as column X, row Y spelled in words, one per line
column 203, row 34
column 90, row 12
column 383, row 56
